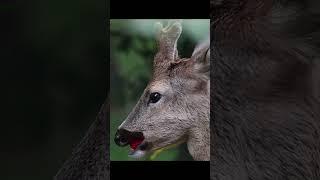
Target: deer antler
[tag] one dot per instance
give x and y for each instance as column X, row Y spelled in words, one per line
column 167, row 38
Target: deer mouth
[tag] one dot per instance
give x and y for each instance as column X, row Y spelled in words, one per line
column 136, row 140
column 138, row 151
column 138, row 146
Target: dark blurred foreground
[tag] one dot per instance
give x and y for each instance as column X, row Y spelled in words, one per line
column 54, row 82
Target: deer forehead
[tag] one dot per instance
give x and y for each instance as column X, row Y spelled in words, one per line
column 168, row 85
column 159, row 86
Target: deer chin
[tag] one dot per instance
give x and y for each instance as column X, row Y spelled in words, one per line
column 145, row 147
column 137, row 154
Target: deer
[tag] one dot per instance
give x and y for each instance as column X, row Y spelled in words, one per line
column 175, row 105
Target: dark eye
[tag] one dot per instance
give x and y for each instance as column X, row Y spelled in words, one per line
column 154, row 97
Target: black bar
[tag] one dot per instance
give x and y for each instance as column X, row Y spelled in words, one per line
column 160, row 169
column 164, row 9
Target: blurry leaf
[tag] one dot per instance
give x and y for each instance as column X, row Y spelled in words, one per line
column 118, row 25
column 132, row 66
column 137, row 44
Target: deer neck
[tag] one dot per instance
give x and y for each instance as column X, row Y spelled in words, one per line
column 199, row 141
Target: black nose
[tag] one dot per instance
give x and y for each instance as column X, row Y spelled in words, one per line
column 122, row 137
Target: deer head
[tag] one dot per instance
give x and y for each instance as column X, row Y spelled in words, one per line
column 174, row 107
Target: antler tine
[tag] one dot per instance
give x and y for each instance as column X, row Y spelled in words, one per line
column 167, row 38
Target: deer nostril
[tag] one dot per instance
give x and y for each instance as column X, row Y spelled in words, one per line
column 121, row 138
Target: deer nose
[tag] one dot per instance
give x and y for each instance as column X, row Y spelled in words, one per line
column 122, row 137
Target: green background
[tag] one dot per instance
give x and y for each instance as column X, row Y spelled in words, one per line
column 132, row 47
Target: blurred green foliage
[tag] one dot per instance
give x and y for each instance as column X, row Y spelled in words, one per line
column 132, row 47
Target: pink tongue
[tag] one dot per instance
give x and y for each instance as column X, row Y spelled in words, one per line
column 135, row 143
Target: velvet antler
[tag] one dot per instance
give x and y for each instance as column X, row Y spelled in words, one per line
column 167, row 38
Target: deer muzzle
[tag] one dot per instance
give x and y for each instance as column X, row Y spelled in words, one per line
column 124, row 138
column 136, row 141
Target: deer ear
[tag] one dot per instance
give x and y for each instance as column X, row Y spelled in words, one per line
column 201, row 58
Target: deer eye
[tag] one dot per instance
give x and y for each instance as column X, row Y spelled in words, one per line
column 154, row 97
